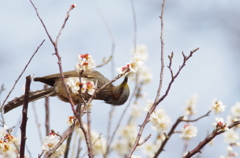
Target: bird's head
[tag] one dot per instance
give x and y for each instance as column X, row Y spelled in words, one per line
column 120, row 93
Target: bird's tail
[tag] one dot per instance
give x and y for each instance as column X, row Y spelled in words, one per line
column 32, row 97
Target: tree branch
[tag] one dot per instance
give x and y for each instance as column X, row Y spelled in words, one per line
column 172, row 131
column 24, row 116
column 56, row 51
column 198, row 148
column 47, row 122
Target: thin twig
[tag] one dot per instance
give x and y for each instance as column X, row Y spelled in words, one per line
column 67, row 149
column 37, row 122
column 134, row 26
column 24, row 116
column 56, row 51
column 198, row 148
column 136, row 143
column 156, row 102
column 162, row 52
column 22, row 73
column 80, row 112
column 29, row 153
column 145, row 140
column 87, row 137
column 60, row 66
column 110, row 114
column 105, row 62
column 137, row 95
column 95, row 141
column 1, row 90
column 112, row 39
column 207, row 114
column 47, row 110
column 64, row 24
column 40, row 155
column 89, row 129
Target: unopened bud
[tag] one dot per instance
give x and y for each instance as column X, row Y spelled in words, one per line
column 73, row 5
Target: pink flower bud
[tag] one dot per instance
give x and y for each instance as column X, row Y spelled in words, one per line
column 73, row 5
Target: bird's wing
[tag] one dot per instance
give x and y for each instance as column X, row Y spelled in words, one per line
column 50, row 79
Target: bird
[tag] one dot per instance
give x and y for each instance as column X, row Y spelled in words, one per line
column 114, row 95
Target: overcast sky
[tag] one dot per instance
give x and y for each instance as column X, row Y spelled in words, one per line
column 212, row 72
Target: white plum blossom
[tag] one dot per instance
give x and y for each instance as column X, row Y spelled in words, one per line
column 134, row 67
column 70, row 122
column 90, row 87
column 49, row 142
column 229, row 149
column 73, row 84
column 138, row 59
column 189, row 131
column 141, row 49
column 121, row 147
column 160, row 121
column 86, row 86
column 190, row 108
column 6, row 142
column 150, row 149
column 100, row 145
column 129, row 133
column 217, row 106
column 235, row 110
column 136, row 62
column 231, row 136
column 136, row 111
column 219, row 124
column 124, row 69
column 3, row 131
column 231, row 119
column 237, row 144
column 86, row 63
column 144, row 74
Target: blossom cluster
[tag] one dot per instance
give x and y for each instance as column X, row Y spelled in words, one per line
column 160, row 120
column 6, row 141
column 139, row 56
column 99, row 147
column 188, row 131
column 231, row 136
column 217, row 106
column 49, row 142
column 127, row 135
column 190, row 108
column 85, row 63
column 86, row 86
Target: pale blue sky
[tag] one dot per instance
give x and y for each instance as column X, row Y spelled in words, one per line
column 212, row 72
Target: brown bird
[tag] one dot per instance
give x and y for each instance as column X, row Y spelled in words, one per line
column 114, row 95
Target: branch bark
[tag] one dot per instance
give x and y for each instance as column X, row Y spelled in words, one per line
column 24, row 117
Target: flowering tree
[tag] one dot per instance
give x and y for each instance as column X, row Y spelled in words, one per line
column 125, row 140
